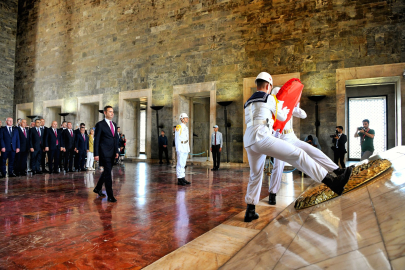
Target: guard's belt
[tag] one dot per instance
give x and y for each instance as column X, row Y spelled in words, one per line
column 257, row 122
column 288, row 131
column 183, row 142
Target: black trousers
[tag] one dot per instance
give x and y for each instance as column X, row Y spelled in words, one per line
column 105, row 177
column 339, row 156
column 161, row 150
column 216, row 155
column 53, row 159
column 61, row 159
column 81, row 156
column 10, row 155
column 21, row 162
column 36, row 160
column 43, row 160
column 69, row 159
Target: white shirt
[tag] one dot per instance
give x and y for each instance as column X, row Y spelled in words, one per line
column 219, row 138
column 108, row 123
column 181, row 135
column 262, row 111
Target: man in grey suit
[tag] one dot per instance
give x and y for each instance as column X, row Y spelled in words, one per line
column 216, row 147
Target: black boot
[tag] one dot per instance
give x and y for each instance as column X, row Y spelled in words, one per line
column 272, row 198
column 185, row 181
column 337, row 184
column 339, row 171
column 180, row 182
column 251, row 213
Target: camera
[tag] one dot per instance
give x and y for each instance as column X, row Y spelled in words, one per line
column 360, row 128
column 334, row 135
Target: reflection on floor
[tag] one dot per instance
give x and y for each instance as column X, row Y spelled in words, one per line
column 57, row 222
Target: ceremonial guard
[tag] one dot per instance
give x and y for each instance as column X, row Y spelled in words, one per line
column 261, row 110
column 182, row 149
column 287, row 134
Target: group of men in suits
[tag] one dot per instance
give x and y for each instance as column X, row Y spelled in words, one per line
column 18, row 143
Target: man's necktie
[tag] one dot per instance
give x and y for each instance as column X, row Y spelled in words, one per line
column 112, row 128
column 39, row 134
column 25, row 134
column 9, row 130
column 215, row 138
column 71, row 133
column 84, row 137
column 56, row 135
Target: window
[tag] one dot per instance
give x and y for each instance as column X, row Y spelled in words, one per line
column 375, row 110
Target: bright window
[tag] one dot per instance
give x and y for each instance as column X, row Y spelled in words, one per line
column 375, row 110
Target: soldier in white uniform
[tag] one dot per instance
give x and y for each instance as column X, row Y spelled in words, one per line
column 288, row 135
column 259, row 143
column 182, row 149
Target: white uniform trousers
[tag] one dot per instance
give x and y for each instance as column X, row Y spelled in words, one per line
column 312, row 151
column 282, row 150
column 181, row 163
column 90, row 160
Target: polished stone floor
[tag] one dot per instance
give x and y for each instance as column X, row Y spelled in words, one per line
column 57, row 221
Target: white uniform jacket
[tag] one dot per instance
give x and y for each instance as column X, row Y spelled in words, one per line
column 259, row 111
column 297, row 112
column 181, row 139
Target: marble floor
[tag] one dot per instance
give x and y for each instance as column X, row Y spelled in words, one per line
column 57, row 222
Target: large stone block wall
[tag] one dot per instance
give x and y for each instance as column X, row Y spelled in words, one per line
column 67, row 49
column 8, row 33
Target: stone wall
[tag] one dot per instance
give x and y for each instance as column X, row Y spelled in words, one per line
column 8, row 31
column 67, row 49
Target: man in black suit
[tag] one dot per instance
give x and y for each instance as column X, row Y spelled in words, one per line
column 68, row 137
column 62, row 153
column 106, row 150
column 10, row 145
column 81, row 148
column 53, row 145
column 77, row 158
column 339, row 147
column 36, row 142
column 21, row 157
column 43, row 155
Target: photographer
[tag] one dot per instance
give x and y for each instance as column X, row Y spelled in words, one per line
column 366, row 139
column 311, row 141
column 339, row 146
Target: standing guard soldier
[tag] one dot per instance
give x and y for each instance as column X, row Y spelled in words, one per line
column 216, row 147
column 182, row 149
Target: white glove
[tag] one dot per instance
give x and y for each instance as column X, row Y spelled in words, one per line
column 285, row 110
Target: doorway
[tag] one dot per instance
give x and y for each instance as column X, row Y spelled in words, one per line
column 201, row 128
column 23, row 110
column 88, row 110
column 135, row 122
column 376, row 111
column 51, row 111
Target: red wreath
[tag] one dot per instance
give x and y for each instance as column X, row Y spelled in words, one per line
column 290, row 93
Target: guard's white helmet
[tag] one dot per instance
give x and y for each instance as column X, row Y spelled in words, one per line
column 265, row 77
column 275, row 90
column 183, row 115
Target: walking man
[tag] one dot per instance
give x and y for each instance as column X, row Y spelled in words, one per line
column 106, row 151
column 163, row 147
column 216, row 147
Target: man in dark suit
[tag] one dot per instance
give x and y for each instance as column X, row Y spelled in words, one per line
column 62, row 153
column 339, row 147
column 81, row 148
column 106, row 150
column 77, row 158
column 21, row 157
column 43, row 154
column 10, row 145
column 53, row 145
column 36, row 142
column 68, row 137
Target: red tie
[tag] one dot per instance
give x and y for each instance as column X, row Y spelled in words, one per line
column 25, row 134
column 56, row 136
column 112, row 128
column 39, row 134
column 71, row 133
